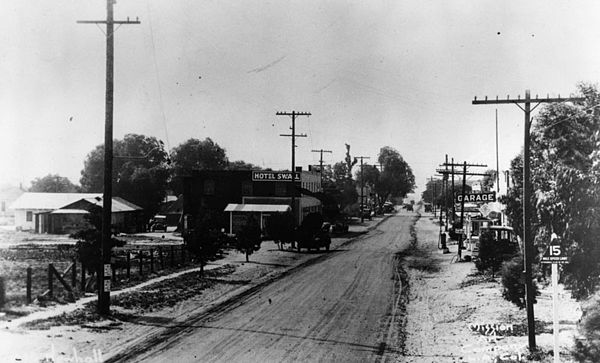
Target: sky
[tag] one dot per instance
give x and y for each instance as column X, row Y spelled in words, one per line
column 372, row 73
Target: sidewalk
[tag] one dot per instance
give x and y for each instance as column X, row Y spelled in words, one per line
column 265, row 265
column 456, row 315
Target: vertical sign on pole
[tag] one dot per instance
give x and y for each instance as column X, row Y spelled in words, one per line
column 555, row 256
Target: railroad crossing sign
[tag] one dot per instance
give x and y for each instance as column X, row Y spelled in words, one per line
column 554, row 254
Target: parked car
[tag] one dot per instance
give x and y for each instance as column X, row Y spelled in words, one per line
column 388, row 207
column 503, row 235
column 313, row 233
column 158, row 223
column 366, row 213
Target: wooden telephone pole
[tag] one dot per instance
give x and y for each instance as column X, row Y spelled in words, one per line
column 293, row 136
column 527, row 240
column 104, row 270
column 321, row 151
column 362, row 186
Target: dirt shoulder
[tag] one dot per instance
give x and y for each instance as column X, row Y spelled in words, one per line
column 143, row 311
column 457, row 315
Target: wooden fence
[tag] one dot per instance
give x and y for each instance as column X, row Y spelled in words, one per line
column 128, row 266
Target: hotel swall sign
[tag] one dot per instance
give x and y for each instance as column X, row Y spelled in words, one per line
column 476, row 197
column 274, row 176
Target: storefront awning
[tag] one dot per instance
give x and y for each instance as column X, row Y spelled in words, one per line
column 263, row 208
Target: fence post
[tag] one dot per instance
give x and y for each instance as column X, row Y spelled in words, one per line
column 141, row 257
column 50, row 281
column 160, row 257
column 128, row 265
column 29, row 273
column 172, row 256
column 2, row 292
column 83, row 278
column 151, row 260
column 74, row 273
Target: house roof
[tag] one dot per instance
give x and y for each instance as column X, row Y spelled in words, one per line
column 257, row 207
column 70, row 211
column 48, row 201
column 118, row 204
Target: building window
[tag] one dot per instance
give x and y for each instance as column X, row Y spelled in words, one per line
column 209, row 187
column 29, row 216
column 247, row 188
column 280, row 189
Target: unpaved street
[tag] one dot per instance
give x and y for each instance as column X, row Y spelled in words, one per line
column 342, row 307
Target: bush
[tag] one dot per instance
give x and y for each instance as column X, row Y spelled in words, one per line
column 206, row 239
column 588, row 349
column 513, row 282
column 249, row 238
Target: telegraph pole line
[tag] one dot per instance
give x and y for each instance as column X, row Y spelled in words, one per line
column 527, row 240
column 293, row 136
column 104, row 270
column 446, row 192
column 362, row 187
column 321, row 151
column 464, row 173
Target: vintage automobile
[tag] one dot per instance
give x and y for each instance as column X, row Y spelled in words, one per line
column 503, row 235
column 313, row 233
column 158, row 223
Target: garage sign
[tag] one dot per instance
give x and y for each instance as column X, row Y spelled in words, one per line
column 476, row 197
column 275, row 176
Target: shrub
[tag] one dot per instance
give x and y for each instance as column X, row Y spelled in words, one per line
column 249, row 238
column 588, row 349
column 513, row 282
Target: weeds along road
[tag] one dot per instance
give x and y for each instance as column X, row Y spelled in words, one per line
column 346, row 306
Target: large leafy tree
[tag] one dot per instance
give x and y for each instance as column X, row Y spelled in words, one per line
column 566, row 186
column 140, row 171
column 397, row 179
column 53, row 183
column 195, row 154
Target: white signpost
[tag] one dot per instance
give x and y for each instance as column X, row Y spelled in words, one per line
column 555, row 256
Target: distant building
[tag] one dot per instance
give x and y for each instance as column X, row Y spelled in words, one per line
column 8, row 194
column 29, row 206
column 63, row 213
column 214, row 190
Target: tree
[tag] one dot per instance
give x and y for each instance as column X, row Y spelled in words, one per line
column 396, row 180
column 140, row 171
column 249, row 238
column 349, row 162
column 53, row 183
column 242, row 165
column 489, row 181
column 195, row 154
column 566, row 186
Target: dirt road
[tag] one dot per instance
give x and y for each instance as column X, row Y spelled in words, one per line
column 342, row 307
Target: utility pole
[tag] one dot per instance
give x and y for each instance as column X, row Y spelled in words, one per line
column 527, row 240
column 321, row 151
column 497, row 163
column 293, row 136
column 446, row 192
column 452, row 172
column 445, row 171
column 104, row 270
column 362, row 187
column 433, row 196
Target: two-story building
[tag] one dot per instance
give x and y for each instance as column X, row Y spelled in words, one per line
column 215, row 190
